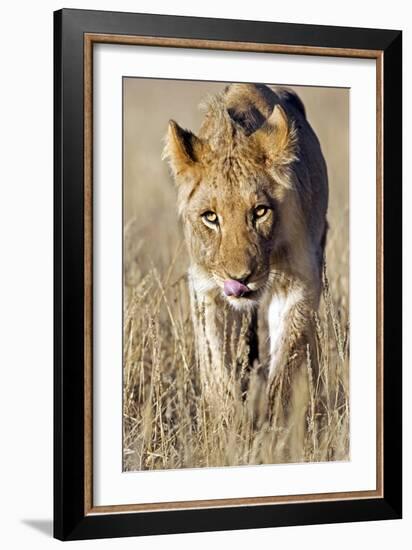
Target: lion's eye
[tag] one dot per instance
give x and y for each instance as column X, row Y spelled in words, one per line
column 210, row 217
column 260, row 211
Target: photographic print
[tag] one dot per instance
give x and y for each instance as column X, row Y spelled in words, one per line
column 236, row 274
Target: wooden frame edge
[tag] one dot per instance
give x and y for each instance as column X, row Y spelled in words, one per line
column 88, row 276
column 206, row 44
column 231, row 502
column 89, row 40
column 379, row 275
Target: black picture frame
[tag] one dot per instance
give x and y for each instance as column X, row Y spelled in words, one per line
column 71, row 522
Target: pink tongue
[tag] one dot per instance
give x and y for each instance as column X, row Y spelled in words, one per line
column 235, row 288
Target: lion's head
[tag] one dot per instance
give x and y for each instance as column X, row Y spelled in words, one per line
column 232, row 180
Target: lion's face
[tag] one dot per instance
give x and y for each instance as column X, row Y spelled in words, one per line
column 230, row 191
column 230, row 226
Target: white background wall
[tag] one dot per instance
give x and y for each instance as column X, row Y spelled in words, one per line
column 26, row 111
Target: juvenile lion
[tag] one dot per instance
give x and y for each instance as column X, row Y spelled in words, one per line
column 253, row 196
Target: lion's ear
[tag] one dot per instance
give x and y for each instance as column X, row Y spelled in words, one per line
column 183, row 149
column 277, row 138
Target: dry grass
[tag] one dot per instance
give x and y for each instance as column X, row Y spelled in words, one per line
column 169, row 422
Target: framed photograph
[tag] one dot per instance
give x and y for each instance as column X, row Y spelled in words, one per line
column 227, row 274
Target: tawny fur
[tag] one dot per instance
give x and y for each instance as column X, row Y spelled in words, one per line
column 255, row 147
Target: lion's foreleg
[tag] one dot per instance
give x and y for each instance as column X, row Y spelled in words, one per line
column 289, row 324
column 209, row 343
column 290, row 333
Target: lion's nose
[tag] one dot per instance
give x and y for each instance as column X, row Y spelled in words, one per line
column 232, row 287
